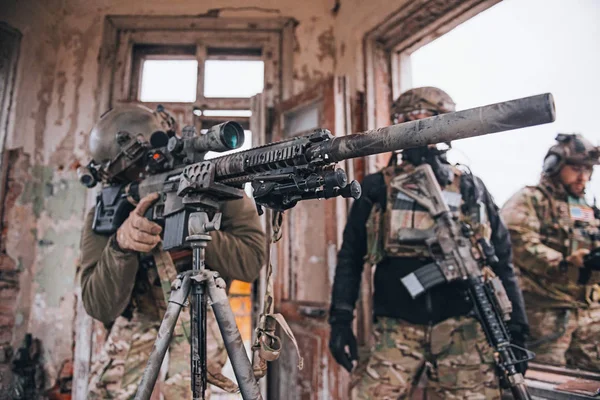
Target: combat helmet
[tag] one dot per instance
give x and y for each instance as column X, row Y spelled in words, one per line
column 417, row 101
column 119, row 140
column 133, row 119
column 571, row 148
column 422, row 98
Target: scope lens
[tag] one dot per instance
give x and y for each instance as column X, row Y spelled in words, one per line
column 87, row 180
column 232, row 135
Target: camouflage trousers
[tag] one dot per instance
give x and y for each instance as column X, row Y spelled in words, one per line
column 119, row 368
column 450, row 360
column 578, row 346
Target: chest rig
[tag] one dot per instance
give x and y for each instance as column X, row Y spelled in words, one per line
column 402, row 227
column 584, row 225
column 567, row 225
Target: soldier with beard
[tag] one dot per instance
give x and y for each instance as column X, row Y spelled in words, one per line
column 553, row 231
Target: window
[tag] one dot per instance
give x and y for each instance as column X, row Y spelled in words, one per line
column 204, row 84
column 233, row 78
column 214, row 71
column 169, row 81
column 170, row 74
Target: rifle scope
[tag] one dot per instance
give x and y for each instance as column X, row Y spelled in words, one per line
column 226, row 136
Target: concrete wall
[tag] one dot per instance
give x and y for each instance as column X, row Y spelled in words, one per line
column 54, row 109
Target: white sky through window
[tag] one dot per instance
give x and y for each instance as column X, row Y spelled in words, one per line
column 169, row 80
column 515, row 49
column 233, row 78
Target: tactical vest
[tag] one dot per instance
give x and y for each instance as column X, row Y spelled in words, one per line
column 401, row 230
column 567, row 226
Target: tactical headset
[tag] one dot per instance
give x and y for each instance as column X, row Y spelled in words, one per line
column 571, row 149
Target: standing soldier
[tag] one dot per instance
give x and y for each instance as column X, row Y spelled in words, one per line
column 553, row 231
column 430, row 336
column 126, row 278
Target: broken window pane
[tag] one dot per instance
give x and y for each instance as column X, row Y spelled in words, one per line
column 169, row 81
column 233, row 78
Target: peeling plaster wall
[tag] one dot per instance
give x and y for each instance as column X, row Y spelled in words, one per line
column 61, row 47
column 354, row 19
column 55, row 108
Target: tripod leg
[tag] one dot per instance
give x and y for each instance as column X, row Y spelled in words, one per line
column 198, row 345
column 232, row 338
column 165, row 333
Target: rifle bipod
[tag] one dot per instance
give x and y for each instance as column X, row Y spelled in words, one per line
column 200, row 282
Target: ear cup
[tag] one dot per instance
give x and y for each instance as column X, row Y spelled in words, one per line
column 552, row 164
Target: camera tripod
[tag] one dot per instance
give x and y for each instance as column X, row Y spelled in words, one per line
column 199, row 283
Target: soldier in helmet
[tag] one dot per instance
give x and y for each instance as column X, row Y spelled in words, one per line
column 125, row 278
column 553, row 230
column 429, row 338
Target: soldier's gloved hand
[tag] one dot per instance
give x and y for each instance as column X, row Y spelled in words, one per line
column 342, row 342
column 137, row 233
column 592, row 260
column 576, row 258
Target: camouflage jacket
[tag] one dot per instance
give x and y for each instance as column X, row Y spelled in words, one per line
column 112, row 280
column 546, row 225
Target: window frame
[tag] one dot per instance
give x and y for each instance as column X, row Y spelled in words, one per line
column 274, row 36
column 202, row 41
column 388, row 46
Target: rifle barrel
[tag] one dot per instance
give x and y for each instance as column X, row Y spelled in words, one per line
column 505, row 116
column 512, row 114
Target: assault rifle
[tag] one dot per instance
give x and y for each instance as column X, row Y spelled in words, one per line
column 451, row 248
column 281, row 174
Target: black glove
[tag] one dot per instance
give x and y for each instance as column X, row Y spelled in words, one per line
column 592, row 260
column 342, row 336
column 519, row 335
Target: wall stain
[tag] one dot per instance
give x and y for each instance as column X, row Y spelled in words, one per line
column 44, row 95
column 78, row 44
column 37, row 188
column 17, row 257
column 307, row 78
column 55, row 275
column 327, row 45
column 61, row 82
